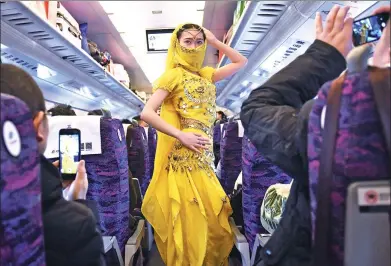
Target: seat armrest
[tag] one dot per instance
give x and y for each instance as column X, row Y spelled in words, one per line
column 238, row 236
column 263, row 238
column 138, row 188
column 110, row 242
column 260, row 241
column 134, row 242
column 240, row 243
column 135, row 239
column 107, row 243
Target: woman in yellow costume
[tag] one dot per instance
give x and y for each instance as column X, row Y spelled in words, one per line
column 185, row 202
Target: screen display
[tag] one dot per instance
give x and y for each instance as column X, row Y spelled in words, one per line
column 158, row 40
column 369, row 29
column 69, row 150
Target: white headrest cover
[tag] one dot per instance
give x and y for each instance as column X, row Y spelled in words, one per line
column 146, row 131
column 240, row 129
column 125, row 126
column 89, row 127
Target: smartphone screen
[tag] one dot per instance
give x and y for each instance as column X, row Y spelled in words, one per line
column 369, row 29
column 69, row 151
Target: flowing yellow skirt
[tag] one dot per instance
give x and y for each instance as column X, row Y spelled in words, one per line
column 189, row 211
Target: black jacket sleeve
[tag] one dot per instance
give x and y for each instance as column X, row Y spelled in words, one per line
column 270, row 114
column 92, row 206
column 72, row 236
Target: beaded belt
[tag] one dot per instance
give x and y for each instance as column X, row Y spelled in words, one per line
column 192, row 123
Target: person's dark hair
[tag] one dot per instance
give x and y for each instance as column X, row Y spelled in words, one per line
column 223, row 116
column 100, row 112
column 137, row 118
column 18, row 83
column 126, row 121
column 96, row 112
column 62, row 110
column 189, row 26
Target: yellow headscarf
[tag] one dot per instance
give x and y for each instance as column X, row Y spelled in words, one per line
column 190, row 59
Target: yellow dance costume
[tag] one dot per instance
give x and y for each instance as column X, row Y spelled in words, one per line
column 185, row 203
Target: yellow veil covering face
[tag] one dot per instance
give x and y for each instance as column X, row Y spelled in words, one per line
column 190, row 59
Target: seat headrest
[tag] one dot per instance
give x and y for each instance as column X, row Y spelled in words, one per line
column 13, row 127
column 357, row 59
column 90, row 133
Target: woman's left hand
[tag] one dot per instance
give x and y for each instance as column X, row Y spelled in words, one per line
column 210, row 37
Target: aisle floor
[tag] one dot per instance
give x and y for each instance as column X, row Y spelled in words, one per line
column 154, row 257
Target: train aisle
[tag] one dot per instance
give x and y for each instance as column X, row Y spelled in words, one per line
column 154, row 258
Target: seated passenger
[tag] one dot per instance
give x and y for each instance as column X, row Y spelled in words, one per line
column 360, row 152
column 140, row 122
column 62, row 110
column 126, row 121
column 100, row 112
column 71, row 232
column 275, row 118
column 221, row 118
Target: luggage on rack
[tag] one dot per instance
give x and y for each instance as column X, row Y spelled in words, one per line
column 68, row 26
column 103, row 58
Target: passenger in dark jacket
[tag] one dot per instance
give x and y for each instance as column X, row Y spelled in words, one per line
column 71, row 232
column 275, row 118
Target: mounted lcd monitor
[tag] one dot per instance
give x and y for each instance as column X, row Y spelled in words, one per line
column 158, row 40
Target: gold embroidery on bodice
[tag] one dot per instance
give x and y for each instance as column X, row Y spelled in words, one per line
column 196, row 104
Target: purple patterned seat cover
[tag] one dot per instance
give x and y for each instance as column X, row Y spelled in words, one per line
column 109, row 181
column 21, row 228
column 138, row 156
column 258, row 175
column 360, row 151
column 152, row 141
column 231, row 156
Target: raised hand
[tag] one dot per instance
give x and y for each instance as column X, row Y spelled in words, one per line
column 337, row 30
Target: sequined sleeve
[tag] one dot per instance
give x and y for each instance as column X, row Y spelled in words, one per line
column 168, row 81
column 208, row 73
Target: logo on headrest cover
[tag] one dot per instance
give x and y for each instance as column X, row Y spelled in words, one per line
column 11, row 138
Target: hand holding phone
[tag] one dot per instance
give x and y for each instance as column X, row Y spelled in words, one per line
column 69, row 152
column 77, row 189
column 369, row 29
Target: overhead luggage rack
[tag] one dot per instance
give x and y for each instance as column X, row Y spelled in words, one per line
column 257, row 20
column 26, row 32
column 271, row 34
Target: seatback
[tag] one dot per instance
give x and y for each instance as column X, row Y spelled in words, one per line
column 108, row 176
column 216, row 142
column 231, row 156
column 152, row 141
column 21, row 228
column 138, row 156
column 360, row 151
column 257, row 176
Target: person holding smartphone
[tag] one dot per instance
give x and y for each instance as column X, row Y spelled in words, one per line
column 275, row 119
column 70, row 222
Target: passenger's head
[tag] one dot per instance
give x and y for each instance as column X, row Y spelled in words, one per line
column 220, row 115
column 126, row 121
column 100, row 112
column 62, row 110
column 140, row 122
column 16, row 82
column 191, row 36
